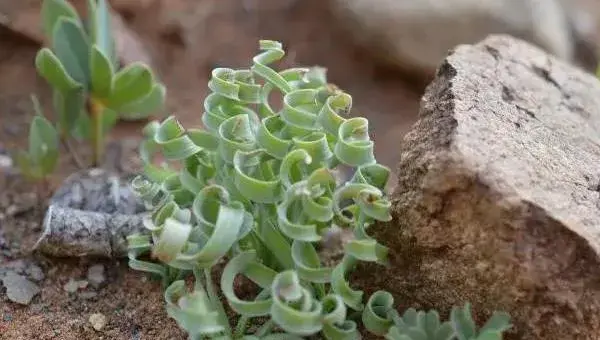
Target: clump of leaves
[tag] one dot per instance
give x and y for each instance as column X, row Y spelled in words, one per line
column 256, row 188
column 90, row 89
column 466, row 329
column 420, row 325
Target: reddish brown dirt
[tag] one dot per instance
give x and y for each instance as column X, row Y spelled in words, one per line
column 186, row 39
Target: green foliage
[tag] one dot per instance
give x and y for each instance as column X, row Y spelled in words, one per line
column 82, row 67
column 256, row 189
column 415, row 325
column 41, row 158
column 464, row 325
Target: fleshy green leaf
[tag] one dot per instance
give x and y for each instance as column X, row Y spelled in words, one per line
column 69, row 106
column 293, row 308
column 91, row 21
column 498, row 322
column 354, row 147
column 172, row 240
column 149, row 104
column 102, row 73
column 52, row 11
column 245, row 263
column 50, row 67
column 463, row 323
column 308, row 264
column 265, row 188
column 368, row 250
column 43, row 144
column 109, row 119
column 272, row 52
column 172, row 140
column 82, row 128
column 192, row 311
column 131, row 84
column 72, row 48
column 339, row 284
column 104, row 33
column 375, row 316
column 226, row 224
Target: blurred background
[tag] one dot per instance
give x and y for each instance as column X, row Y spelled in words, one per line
column 382, row 52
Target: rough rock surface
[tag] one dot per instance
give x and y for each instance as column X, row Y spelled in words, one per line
column 91, row 214
column 498, row 197
column 415, row 35
column 99, row 191
column 19, row 289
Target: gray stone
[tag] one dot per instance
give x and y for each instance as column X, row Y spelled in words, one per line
column 99, row 191
column 498, row 197
column 96, row 276
column 6, row 162
column 91, row 214
column 415, row 35
column 73, row 285
column 35, row 272
column 88, row 295
column 18, row 288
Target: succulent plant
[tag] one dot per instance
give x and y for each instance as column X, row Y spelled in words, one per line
column 90, row 89
column 255, row 189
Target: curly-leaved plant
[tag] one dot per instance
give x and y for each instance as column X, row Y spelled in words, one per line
column 255, row 191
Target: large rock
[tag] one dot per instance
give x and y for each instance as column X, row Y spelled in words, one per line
column 498, row 197
column 415, row 35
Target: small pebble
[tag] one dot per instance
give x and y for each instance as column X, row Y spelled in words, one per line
column 88, row 295
column 19, row 289
column 98, row 321
column 95, row 275
column 74, row 285
column 35, row 272
column 135, row 333
column 6, row 162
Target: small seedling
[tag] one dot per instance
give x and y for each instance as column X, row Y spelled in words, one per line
column 90, row 89
column 466, row 329
column 41, row 158
column 256, row 190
